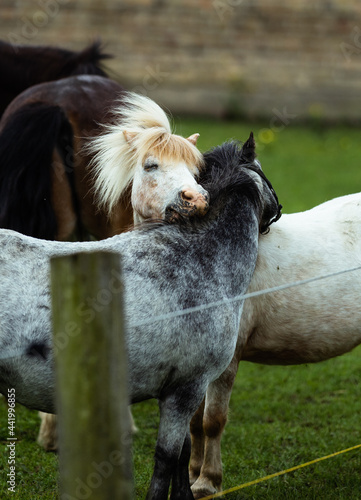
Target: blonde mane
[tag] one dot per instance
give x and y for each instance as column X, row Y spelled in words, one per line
column 141, row 128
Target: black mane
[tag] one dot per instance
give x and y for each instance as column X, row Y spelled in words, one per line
column 223, row 171
column 227, row 171
column 22, row 66
column 55, row 62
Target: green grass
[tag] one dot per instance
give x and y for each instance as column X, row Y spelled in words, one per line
column 306, row 165
column 279, row 416
column 36, row 471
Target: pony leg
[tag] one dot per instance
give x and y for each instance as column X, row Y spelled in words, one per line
column 133, row 426
column 215, row 418
column 180, row 479
column 172, row 449
column 197, row 451
column 48, row 435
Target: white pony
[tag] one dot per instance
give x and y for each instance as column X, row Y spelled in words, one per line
column 304, row 324
column 140, row 149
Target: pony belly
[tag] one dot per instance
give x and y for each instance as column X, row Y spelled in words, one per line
column 197, row 357
column 306, row 324
column 293, row 349
column 37, row 393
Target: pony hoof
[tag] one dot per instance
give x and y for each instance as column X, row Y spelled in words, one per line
column 50, row 445
column 193, row 477
column 202, row 488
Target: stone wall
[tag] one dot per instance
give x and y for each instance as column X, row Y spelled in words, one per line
column 219, row 57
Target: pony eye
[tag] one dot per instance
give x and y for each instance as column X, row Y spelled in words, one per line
column 150, row 166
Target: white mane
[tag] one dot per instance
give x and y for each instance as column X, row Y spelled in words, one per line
column 141, row 125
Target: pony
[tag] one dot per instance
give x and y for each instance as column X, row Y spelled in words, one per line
column 22, row 66
column 51, row 134
column 138, row 166
column 167, row 268
column 305, row 324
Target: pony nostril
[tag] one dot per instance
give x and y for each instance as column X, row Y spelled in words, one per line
column 188, row 195
column 194, row 197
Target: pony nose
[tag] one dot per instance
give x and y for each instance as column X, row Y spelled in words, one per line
column 195, row 201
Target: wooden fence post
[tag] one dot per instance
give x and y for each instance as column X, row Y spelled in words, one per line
column 89, row 350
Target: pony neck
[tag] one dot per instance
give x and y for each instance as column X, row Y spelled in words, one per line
column 230, row 242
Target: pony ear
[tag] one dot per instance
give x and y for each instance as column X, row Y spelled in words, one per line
column 193, row 139
column 129, row 136
column 248, row 151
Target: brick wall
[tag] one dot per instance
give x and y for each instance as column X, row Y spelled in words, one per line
column 247, row 57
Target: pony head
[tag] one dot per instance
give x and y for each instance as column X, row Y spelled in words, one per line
column 140, row 149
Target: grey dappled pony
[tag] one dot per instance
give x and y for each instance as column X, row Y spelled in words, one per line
column 194, row 261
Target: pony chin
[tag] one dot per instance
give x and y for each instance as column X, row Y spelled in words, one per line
column 171, row 216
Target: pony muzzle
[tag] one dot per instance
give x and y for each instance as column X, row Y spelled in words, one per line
column 189, row 202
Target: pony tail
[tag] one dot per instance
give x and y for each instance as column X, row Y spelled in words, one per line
column 27, row 142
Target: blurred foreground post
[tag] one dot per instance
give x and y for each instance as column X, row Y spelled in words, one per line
column 90, row 359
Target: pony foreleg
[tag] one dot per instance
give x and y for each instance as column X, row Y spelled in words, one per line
column 214, row 420
column 172, row 449
column 197, row 439
column 180, row 479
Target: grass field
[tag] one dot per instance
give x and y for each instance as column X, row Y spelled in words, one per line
column 279, row 416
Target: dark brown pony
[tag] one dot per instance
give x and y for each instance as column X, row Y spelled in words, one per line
column 47, row 189
column 22, row 66
column 44, row 187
